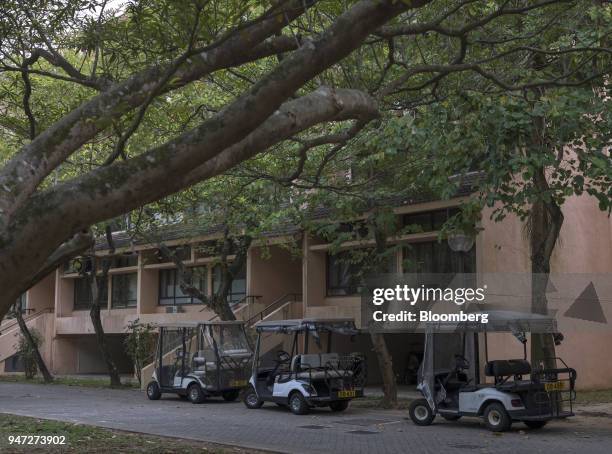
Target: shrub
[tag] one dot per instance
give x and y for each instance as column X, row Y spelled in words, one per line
column 27, row 353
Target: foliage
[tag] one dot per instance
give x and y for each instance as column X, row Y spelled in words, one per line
column 107, row 108
column 494, row 136
column 26, row 353
column 140, row 345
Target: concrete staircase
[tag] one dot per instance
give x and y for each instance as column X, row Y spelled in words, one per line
column 9, row 331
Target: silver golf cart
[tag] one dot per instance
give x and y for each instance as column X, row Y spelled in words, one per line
column 449, row 376
column 305, row 380
column 200, row 359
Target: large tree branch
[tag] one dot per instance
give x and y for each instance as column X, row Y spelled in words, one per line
column 21, row 176
column 70, row 249
column 295, row 116
column 109, row 191
column 103, row 189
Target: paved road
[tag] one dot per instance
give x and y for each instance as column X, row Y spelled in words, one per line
column 355, row 431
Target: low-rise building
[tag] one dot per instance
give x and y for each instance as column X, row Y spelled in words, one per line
column 278, row 283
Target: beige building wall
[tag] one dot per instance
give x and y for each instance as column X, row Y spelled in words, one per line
column 585, row 247
column 272, row 272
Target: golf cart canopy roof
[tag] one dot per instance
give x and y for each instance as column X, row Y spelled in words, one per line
column 501, row 321
column 194, row 324
column 334, row 325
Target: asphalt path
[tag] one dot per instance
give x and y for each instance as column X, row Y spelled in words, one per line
column 357, row 430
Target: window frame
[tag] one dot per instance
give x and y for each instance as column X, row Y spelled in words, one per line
column 180, row 300
column 231, row 293
column 123, row 304
column 83, row 307
column 328, row 287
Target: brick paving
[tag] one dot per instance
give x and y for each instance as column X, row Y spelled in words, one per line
column 357, row 430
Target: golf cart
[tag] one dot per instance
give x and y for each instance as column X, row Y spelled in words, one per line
column 200, row 359
column 305, row 380
column 449, row 376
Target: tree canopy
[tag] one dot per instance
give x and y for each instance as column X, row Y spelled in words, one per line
column 106, row 108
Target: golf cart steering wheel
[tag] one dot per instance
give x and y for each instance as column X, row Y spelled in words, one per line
column 282, row 357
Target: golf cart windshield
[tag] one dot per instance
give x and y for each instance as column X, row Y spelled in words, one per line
column 230, row 339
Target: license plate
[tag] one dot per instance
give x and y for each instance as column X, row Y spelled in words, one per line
column 554, row 386
column 347, row 393
column 238, row 383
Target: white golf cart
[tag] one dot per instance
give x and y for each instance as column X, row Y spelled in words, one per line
column 305, row 380
column 449, row 376
column 200, row 359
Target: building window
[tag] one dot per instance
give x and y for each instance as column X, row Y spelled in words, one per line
column 125, row 260
column 125, row 290
column 170, row 292
column 437, row 257
column 343, row 276
column 82, row 294
column 182, row 253
column 345, row 272
column 238, row 291
column 429, row 221
column 13, row 364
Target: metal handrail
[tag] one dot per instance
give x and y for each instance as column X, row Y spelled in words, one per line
column 29, row 317
column 239, row 302
column 286, row 298
column 245, row 299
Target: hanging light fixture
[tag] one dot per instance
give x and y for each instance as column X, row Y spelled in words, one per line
column 460, row 241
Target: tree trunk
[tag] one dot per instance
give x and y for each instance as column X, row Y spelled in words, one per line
column 97, row 285
column 545, row 224
column 94, row 314
column 228, row 272
column 379, row 343
column 385, row 364
column 25, row 332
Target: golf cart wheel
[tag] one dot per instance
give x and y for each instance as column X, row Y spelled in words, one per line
column 339, row 405
column 195, row 394
column 298, row 404
column 153, row 391
column 231, row 396
column 251, row 399
column 496, row 417
column 535, row 424
column 451, row 417
column 420, row 412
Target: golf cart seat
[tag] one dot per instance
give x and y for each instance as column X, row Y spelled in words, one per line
column 204, row 360
column 507, row 368
column 502, row 370
column 317, row 366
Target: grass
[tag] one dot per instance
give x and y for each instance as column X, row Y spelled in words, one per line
column 90, row 439
column 87, row 382
column 596, row 396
